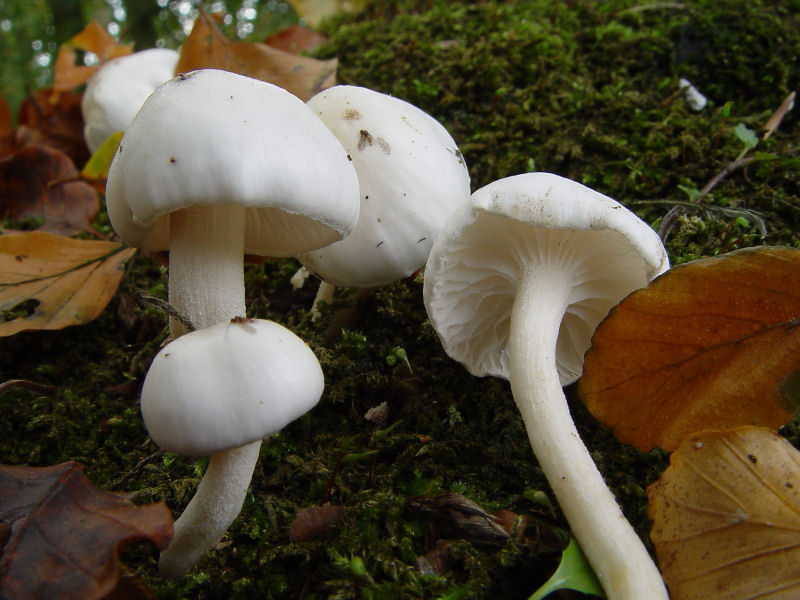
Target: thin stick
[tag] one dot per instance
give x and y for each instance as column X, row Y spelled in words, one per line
column 145, row 300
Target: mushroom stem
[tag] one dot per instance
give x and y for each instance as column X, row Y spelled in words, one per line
column 206, row 283
column 215, row 505
column 616, row 553
column 324, row 296
column 206, row 265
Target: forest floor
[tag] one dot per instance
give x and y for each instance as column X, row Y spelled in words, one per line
column 586, row 90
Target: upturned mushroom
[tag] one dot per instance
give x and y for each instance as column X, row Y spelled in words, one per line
column 117, row 90
column 411, row 175
column 218, row 391
column 215, row 165
column 514, row 286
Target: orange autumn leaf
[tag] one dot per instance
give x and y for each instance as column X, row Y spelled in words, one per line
column 93, row 38
column 713, row 344
column 66, row 535
column 51, row 282
column 42, row 182
column 726, row 517
column 207, row 48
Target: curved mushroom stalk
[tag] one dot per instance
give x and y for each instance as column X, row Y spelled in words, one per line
column 219, row 391
column 515, row 286
column 617, row 555
column 324, row 296
column 215, row 505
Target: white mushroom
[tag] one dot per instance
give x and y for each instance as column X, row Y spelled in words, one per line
column 215, row 165
column 117, row 90
column 515, row 286
column 219, row 391
column 411, row 175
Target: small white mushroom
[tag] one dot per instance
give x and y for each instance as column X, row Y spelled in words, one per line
column 218, row 391
column 117, row 90
column 411, row 176
column 515, row 285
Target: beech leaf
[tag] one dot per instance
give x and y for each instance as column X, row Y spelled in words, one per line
column 66, row 534
column 37, row 181
column 59, row 281
column 726, row 517
column 314, row 11
column 295, row 39
column 95, row 171
column 5, row 116
column 712, row 344
column 53, row 120
column 314, row 521
column 206, row 47
column 93, row 38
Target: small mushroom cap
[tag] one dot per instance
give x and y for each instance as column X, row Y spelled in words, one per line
column 536, row 218
column 228, row 385
column 117, row 90
column 212, row 137
column 412, row 177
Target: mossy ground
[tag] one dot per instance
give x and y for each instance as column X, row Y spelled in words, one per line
column 583, row 89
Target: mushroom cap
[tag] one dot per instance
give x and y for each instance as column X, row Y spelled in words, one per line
column 411, row 174
column 117, row 90
column 211, row 137
column 228, row 385
column 484, row 249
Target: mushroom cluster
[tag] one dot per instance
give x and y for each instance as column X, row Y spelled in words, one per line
column 517, row 276
column 214, row 165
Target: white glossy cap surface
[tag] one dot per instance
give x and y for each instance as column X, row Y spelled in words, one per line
column 117, row 90
column 228, row 385
column 411, row 175
column 604, row 250
column 211, row 137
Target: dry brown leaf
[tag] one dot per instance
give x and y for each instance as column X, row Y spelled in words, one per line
column 5, row 116
column 66, row 534
column 314, row 11
column 314, row 521
column 53, row 121
column 726, row 517
column 207, row 48
column 37, row 181
column 58, row 280
column 777, row 117
column 713, row 344
column 295, row 39
column 93, row 38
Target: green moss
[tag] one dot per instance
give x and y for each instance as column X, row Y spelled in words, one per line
column 587, row 90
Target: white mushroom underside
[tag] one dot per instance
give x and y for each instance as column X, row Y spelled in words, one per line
column 474, row 294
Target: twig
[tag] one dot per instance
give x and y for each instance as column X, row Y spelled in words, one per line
column 741, row 161
column 32, row 386
column 145, row 300
column 136, row 468
column 669, row 219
